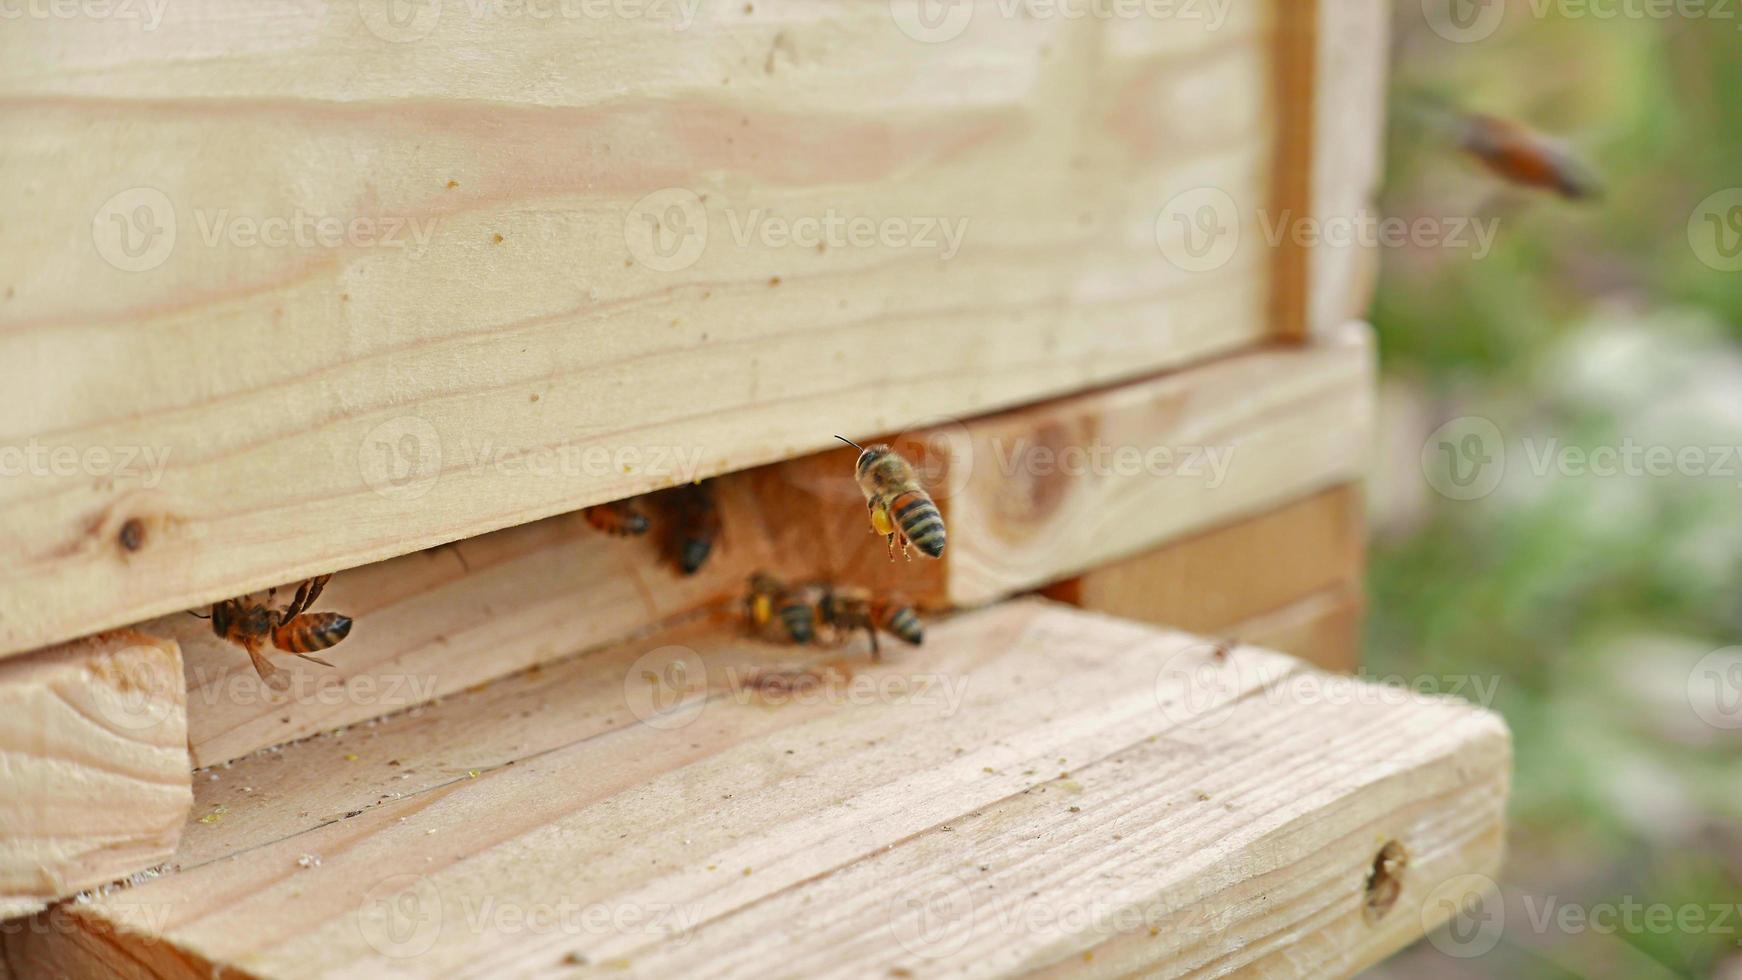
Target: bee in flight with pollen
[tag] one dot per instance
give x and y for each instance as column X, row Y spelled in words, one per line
column 901, row 510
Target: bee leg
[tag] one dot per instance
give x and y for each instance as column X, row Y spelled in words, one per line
column 876, row 651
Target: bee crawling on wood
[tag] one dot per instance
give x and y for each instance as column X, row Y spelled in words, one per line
column 619, row 518
column 782, row 612
column 691, row 526
column 821, row 612
column 250, row 625
column 848, row 609
column 900, row 507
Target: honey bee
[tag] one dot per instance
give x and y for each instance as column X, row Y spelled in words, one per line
column 692, row 524
column 900, row 507
column 619, row 518
column 821, row 612
column 849, row 609
column 784, row 612
column 250, row 625
column 1521, row 155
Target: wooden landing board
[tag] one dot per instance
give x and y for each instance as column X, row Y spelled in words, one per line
column 1219, row 582
column 1040, row 494
column 310, row 286
column 1035, row 790
column 94, row 765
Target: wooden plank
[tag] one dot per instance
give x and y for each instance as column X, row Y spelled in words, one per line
column 1323, row 629
column 446, row 246
column 1221, row 815
column 439, row 621
column 1352, row 46
column 1215, row 581
column 93, row 748
column 1043, row 493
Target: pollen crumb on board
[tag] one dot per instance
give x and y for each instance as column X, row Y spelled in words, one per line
column 308, row 861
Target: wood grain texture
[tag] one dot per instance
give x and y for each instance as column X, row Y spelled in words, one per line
column 1095, row 795
column 1323, row 629
column 459, row 328
column 441, row 620
column 1217, row 582
column 1040, row 494
column 93, row 756
column 1348, row 148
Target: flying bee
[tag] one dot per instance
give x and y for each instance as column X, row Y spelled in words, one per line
column 1524, row 156
column 692, row 524
column 781, row 611
column 848, row 609
column 250, row 625
column 619, row 518
column 900, row 507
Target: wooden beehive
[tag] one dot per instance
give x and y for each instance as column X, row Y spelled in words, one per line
column 396, row 290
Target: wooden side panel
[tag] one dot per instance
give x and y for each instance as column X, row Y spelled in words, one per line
column 1245, row 580
column 585, row 816
column 93, row 755
column 310, row 285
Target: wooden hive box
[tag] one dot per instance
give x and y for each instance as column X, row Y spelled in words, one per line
column 397, row 290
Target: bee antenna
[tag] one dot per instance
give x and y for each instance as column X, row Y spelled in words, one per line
column 851, row 443
column 196, row 615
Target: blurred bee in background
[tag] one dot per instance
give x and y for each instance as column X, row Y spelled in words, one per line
column 1524, row 156
column 821, row 612
column 1511, row 151
column 691, row 524
column 900, row 507
column 849, row 609
column 250, row 625
column 619, row 518
column 781, row 612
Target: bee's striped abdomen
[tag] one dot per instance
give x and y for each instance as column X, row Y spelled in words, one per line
column 800, row 621
column 904, row 622
column 312, row 631
column 919, row 519
column 619, row 518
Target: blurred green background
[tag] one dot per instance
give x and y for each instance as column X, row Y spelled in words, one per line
column 1589, row 599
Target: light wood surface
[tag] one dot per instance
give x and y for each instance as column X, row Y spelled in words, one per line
column 1077, row 793
column 94, row 762
column 441, row 620
column 1228, row 581
column 266, row 412
column 1040, row 494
